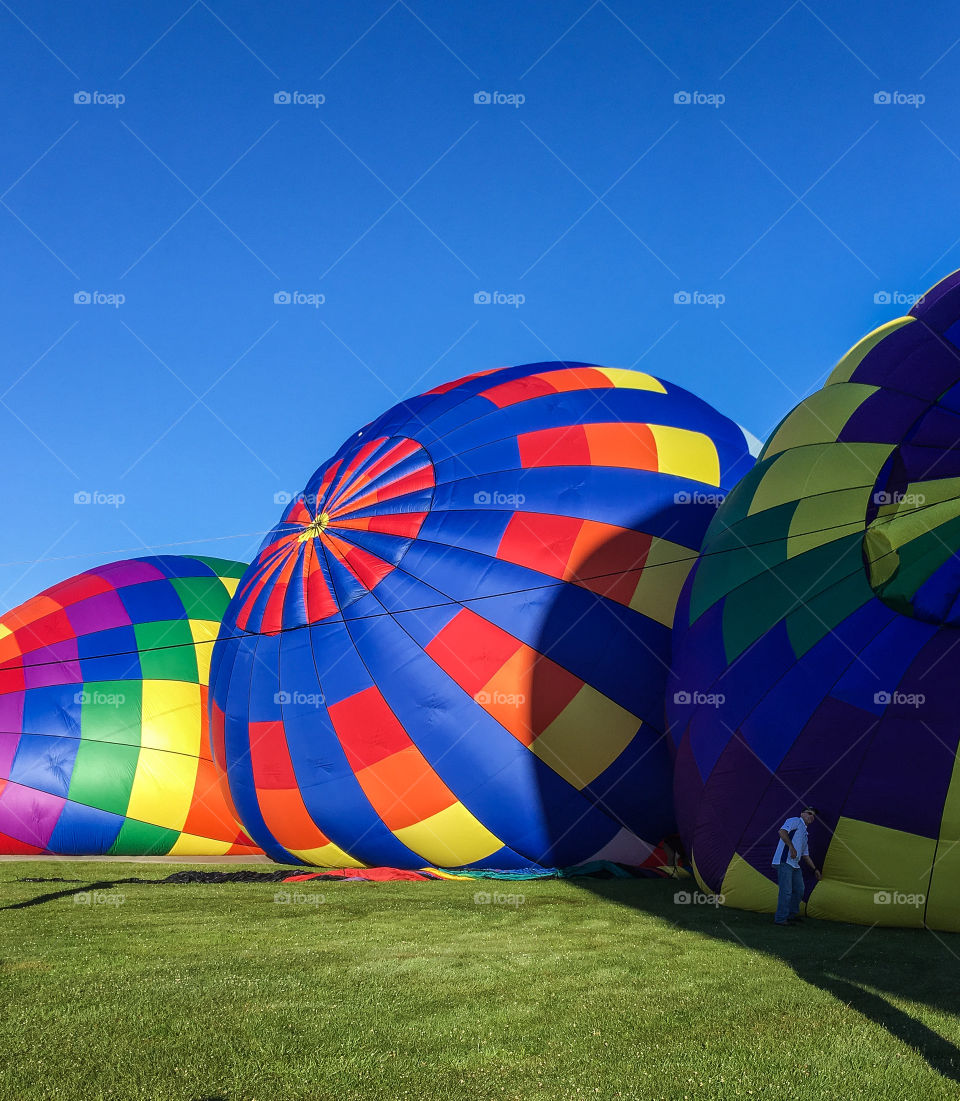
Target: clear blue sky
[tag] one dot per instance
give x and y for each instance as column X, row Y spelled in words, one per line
column 398, row 199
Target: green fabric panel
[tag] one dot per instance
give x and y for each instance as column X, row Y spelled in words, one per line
column 103, row 775
column 224, row 567
column 757, row 606
column 737, row 554
column 112, row 711
column 141, row 839
column 820, row 418
column 825, row 611
column 167, row 650
column 202, row 597
column 844, row 370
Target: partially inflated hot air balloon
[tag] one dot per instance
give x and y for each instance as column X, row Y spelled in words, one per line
column 452, row 648
column 104, row 745
column 816, row 645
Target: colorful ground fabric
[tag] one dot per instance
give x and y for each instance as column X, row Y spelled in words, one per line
column 452, row 648
column 104, row 745
column 816, row 644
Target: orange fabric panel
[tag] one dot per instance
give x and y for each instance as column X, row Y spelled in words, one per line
column 403, row 789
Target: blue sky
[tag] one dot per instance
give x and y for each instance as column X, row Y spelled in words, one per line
column 782, row 186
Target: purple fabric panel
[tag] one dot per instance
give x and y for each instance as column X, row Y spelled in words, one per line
column 11, row 712
column 98, row 613
column 940, row 306
column 9, row 739
column 27, row 815
column 726, row 808
column 131, row 572
column 54, row 664
column 882, row 418
column 818, row 769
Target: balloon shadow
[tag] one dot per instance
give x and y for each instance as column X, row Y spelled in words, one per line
column 590, row 631
column 77, row 889
column 860, row 966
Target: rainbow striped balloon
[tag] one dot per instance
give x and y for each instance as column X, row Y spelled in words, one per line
column 104, row 745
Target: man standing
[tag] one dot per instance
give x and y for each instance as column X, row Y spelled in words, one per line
column 790, row 850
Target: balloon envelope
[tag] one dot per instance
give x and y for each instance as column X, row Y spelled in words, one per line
column 104, row 745
column 816, row 642
column 452, row 648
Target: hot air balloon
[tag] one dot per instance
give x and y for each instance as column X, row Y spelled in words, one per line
column 815, row 653
column 452, row 648
column 104, row 746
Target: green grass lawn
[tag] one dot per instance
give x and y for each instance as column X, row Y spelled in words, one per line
column 599, row 989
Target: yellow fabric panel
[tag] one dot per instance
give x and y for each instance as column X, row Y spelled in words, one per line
column 873, row 875
column 819, row 418
column 327, row 856
column 230, row 584
column 632, row 380
column 819, row 468
column 449, row 838
column 172, row 716
column 943, row 907
column 4, row 631
column 204, row 633
column 586, row 737
column 162, row 788
column 696, row 874
column 661, row 580
column 852, row 360
column 826, row 518
column 687, row 454
column 189, row 844
column 746, row 889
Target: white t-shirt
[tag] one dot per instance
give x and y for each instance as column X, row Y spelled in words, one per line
column 797, row 831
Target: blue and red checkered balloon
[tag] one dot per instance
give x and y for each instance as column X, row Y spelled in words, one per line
column 452, row 648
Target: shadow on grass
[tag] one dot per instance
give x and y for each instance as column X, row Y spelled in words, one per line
column 855, row 964
column 76, row 888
